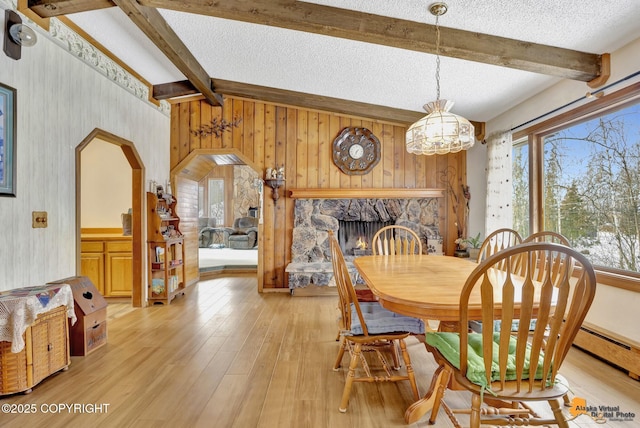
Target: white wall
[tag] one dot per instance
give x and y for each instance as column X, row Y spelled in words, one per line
column 476, row 178
column 609, row 300
column 60, row 100
column 106, row 185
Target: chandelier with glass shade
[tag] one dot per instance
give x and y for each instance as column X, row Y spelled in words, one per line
column 440, row 131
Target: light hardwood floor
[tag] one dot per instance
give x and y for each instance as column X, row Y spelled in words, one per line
column 226, row 356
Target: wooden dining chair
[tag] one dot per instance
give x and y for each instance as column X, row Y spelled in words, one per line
column 547, row 236
column 517, row 367
column 368, row 327
column 395, row 239
column 363, row 294
column 554, row 267
column 498, row 240
column 552, row 237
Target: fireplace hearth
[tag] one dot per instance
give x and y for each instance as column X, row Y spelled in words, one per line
column 351, row 219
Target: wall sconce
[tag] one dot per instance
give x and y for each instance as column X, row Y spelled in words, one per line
column 16, row 35
column 274, row 178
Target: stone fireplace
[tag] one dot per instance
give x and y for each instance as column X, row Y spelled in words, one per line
column 351, row 219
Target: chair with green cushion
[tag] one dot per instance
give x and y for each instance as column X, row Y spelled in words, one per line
column 496, row 241
column 553, row 237
column 540, row 266
column 519, row 366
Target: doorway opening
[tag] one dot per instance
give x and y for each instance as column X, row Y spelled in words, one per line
column 119, row 261
column 223, row 227
column 229, row 198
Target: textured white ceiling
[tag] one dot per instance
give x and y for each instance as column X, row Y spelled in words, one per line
column 364, row 72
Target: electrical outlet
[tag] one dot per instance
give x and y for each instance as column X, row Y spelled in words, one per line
column 39, row 219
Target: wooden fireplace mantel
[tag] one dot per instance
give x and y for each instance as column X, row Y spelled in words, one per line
column 368, row 193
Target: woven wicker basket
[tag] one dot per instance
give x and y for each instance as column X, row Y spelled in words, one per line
column 13, row 370
column 46, row 351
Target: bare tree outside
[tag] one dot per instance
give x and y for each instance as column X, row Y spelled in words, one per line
column 520, row 197
column 592, row 188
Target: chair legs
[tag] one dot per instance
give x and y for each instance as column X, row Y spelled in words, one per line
column 338, row 363
column 410, row 373
column 392, row 347
column 519, row 413
column 474, row 420
column 557, row 413
column 442, row 386
column 356, row 349
column 355, row 356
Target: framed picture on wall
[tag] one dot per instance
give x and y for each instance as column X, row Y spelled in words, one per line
column 7, row 141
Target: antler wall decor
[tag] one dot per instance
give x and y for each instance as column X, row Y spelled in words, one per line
column 217, row 127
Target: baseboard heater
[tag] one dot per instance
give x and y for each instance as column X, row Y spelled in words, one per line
column 610, row 347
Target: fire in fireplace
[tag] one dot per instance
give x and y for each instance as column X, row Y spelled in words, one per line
column 350, row 232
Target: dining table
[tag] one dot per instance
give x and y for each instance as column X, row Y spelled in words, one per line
column 421, row 286
column 426, row 287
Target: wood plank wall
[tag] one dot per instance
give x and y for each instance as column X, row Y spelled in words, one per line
column 187, row 207
column 272, row 135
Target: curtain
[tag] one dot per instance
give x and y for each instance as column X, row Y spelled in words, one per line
column 499, row 187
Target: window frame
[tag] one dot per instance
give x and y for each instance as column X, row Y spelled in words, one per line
column 535, row 135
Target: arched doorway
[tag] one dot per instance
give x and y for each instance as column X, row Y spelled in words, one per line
column 137, row 205
column 185, row 177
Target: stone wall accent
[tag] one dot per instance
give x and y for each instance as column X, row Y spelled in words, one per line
column 314, row 218
column 245, row 192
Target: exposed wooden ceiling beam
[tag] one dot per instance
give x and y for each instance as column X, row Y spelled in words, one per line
column 160, row 33
column 166, row 91
column 300, row 99
column 49, row 9
column 365, row 27
column 316, row 102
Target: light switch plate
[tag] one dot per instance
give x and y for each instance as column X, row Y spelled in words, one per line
column 39, row 219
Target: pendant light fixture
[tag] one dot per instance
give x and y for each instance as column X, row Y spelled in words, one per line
column 440, row 131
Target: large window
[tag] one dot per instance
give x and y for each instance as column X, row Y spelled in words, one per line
column 520, row 196
column 216, row 200
column 590, row 189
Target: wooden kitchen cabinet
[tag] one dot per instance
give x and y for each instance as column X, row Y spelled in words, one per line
column 92, row 263
column 107, row 260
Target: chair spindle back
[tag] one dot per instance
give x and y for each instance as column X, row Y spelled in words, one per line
column 394, row 239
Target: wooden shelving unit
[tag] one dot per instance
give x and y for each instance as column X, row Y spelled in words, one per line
column 166, row 270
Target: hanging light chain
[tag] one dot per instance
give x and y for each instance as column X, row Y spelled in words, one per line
column 437, row 59
column 440, row 131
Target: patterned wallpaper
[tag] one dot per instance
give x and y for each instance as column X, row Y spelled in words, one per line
column 77, row 46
